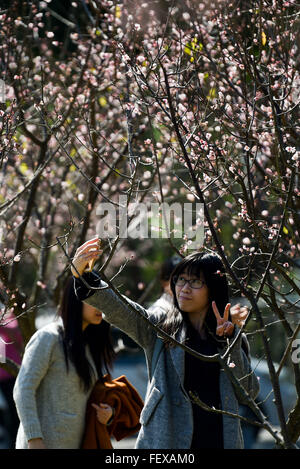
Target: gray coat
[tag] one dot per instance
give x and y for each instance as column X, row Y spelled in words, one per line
column 167, row 418
column 50, row 401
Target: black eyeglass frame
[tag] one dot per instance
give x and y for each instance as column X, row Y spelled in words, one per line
column 175, row 281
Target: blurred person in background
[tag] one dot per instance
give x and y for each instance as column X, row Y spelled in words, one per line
column 166, row 270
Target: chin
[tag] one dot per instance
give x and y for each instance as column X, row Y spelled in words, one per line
column 184, row 309
column 96, row 322
column 184, row 306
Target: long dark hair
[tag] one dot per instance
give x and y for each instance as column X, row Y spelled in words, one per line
column 211, row 265
column 74, row 339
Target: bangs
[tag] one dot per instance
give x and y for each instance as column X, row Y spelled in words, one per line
column 190, row 266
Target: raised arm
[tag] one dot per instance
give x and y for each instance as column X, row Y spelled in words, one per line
column 121, row 312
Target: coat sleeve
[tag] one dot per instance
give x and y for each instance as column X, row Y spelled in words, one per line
column 241, row 367
column 123, row 313
column 35, row 364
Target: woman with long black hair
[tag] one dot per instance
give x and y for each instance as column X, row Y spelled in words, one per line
column 199, row 318
column 61, row 364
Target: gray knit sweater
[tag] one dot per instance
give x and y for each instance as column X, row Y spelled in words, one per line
column 50, row 401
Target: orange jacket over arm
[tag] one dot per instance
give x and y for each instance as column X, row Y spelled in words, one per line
column 127, row 403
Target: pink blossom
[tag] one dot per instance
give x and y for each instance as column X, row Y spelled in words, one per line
column 290, row 149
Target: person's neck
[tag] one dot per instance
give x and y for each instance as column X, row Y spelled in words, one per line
column 197, row 322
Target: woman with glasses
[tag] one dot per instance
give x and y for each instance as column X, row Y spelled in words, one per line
column 200, row 319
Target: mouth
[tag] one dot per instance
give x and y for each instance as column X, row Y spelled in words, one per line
column 181, row 297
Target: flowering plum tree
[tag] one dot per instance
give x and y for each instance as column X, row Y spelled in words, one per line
column 161, row 101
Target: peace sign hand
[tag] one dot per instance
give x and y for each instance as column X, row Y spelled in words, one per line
column 224, row 327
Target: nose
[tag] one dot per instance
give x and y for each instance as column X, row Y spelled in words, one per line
column 186, row 286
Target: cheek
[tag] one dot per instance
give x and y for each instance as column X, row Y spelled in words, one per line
column 85, row 316
column 203, row 296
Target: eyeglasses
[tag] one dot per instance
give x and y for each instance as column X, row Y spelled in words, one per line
column 193, row 283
